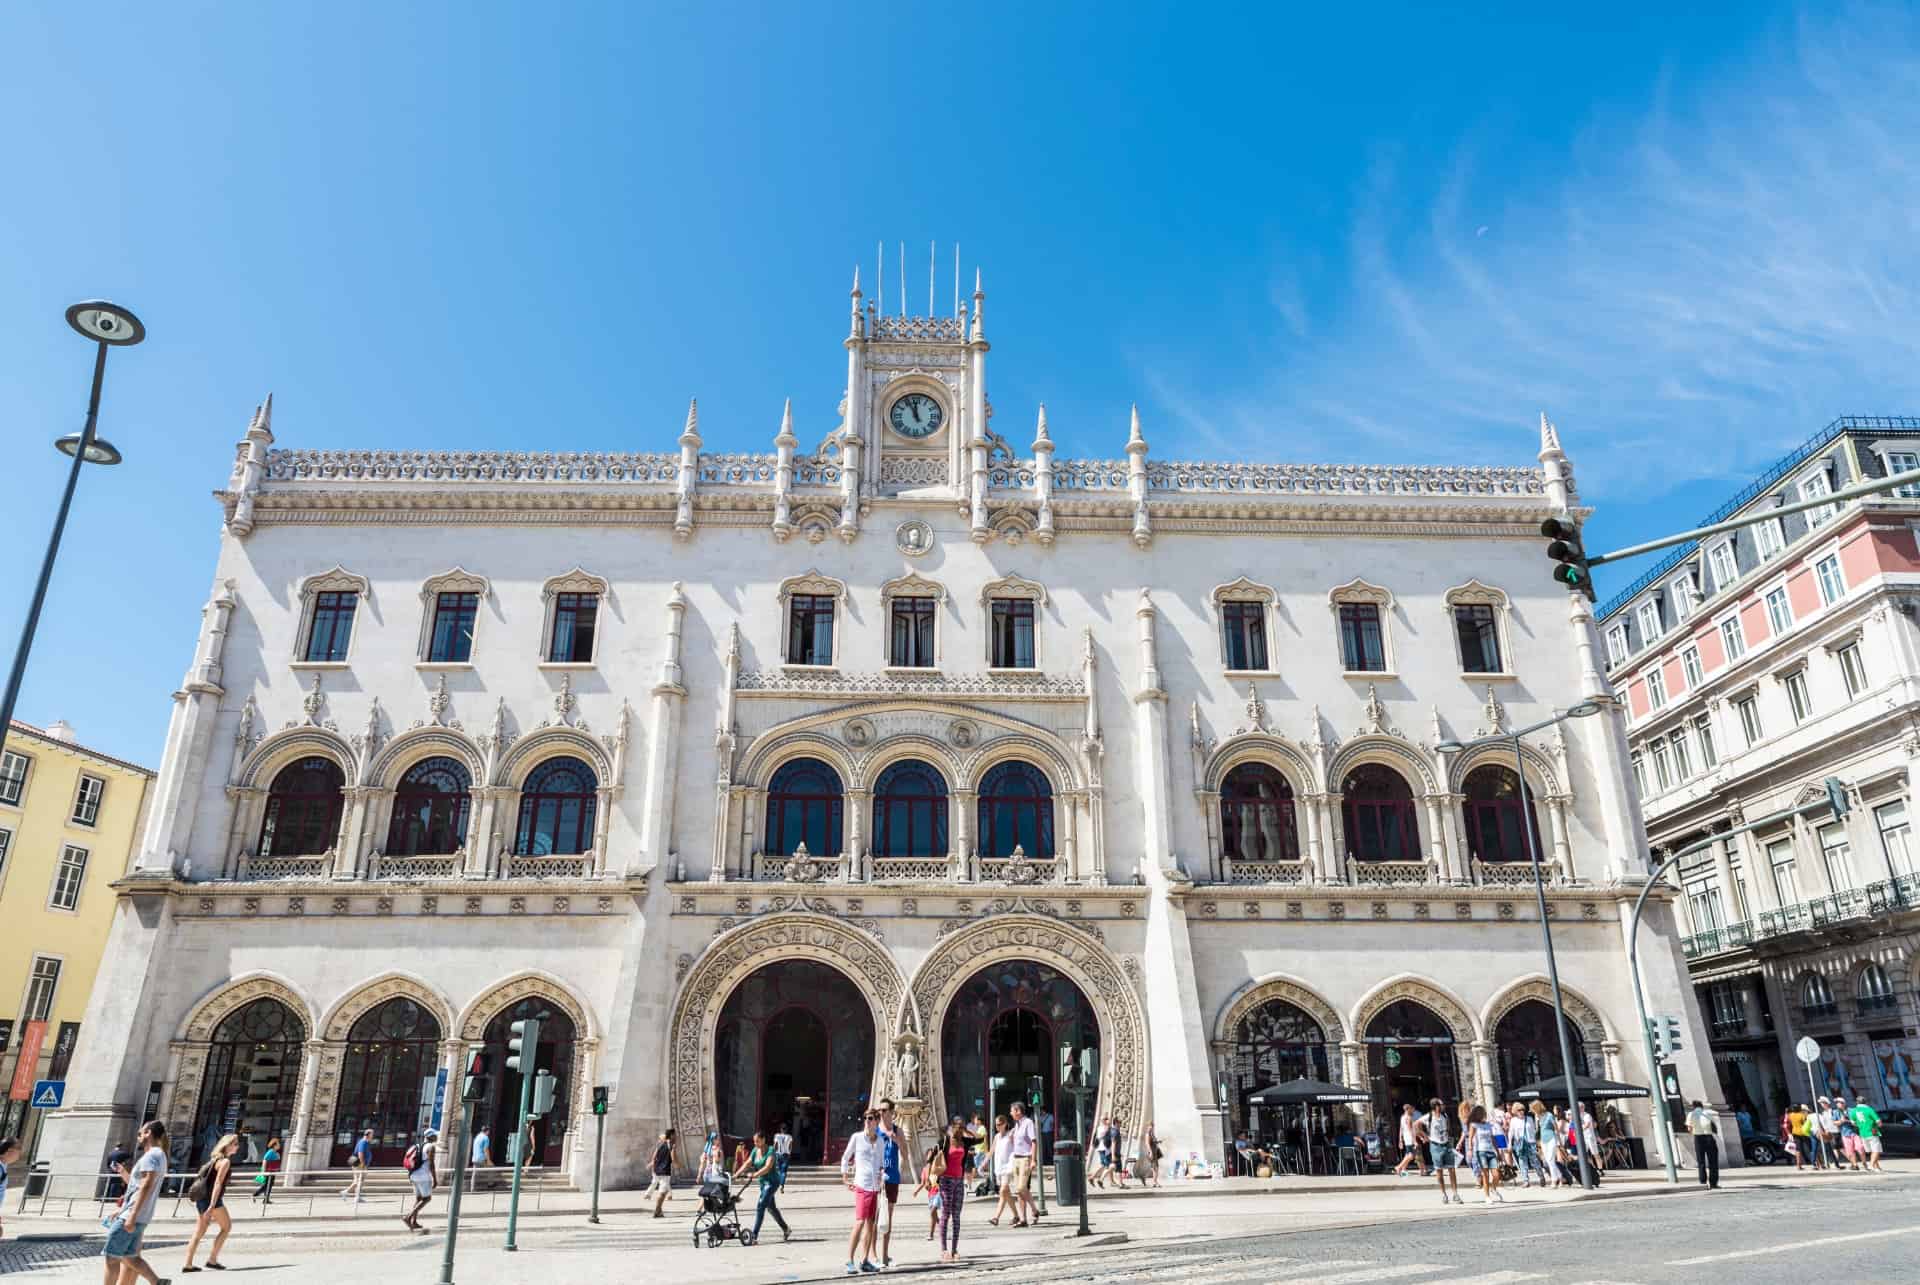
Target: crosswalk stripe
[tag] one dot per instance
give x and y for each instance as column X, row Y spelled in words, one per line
column 1376, row 1272
column 1490, row 1278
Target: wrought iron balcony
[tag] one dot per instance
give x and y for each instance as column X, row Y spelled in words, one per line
column 1876, row 1005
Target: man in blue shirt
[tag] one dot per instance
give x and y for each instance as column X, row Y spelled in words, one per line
column 362, row 1161
column 892, row 1142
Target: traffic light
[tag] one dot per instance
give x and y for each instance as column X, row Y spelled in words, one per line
column 1837, row 797
column 523, row 1041
column 599, row 1099
column 1672, row 1025
column 1569, row 557
column 474, row 1087
column 1067, row 1065
column 542, row 1093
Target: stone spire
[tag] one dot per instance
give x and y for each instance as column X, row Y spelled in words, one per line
column 857, row 326
column 1558, row 470
column 250, row 467
column 783, row 443
column 1043, row 478
column 689, row 470
column 1137, row 482
column 979, row 330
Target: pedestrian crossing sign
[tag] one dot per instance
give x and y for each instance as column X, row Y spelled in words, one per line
column 47, row 1094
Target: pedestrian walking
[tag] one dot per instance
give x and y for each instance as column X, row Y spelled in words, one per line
column 763, row 1166
column 480, row 1155
column 927, row 1183
column 1838, row 1127
column 662, row 1173
column 1849, row 1134
column 1003, row 1170
column 1502, row 1146
column 128, row 1223
column 1434, row 1131
column 1410, row 1152
column 269, row 1168
column 1553, row 1126
column 1150, row 1141
column 1817, row 1127
column 1798, row 1136
column 860, row 1171
column 1866, row 1121
column 1484, row 1151
column 9, row 1152
column 209, row 1195
column 359, row 1160
column 958, row 1159
column 1026, row 1154
column 1116, row 1142
column 119, row 1161
column 1523, row 1129
column 418, row 1163
column 1704, row 1125
column 782, row 1153
column 893, row 1149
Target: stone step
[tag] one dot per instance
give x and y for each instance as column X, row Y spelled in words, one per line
column 395, row 1180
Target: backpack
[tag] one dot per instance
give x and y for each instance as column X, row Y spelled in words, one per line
column 411, row 1160
column 202, row 1187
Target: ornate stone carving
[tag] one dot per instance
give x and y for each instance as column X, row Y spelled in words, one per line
column 1033, row 685
column 1463, row 910
column 1422, row 910
column 472, row 906
column 314, row 701
column 296, row 905
column 1506, row 910
column 858, row 732
column 909, row 906
column 1379, row 910
column 1296, row 910
column 912, row 537
column 963, row 733
column 429, row 905
column 1336, row 910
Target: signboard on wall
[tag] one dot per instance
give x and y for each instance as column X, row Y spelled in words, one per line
column 26, row 1070
column 63, row 1042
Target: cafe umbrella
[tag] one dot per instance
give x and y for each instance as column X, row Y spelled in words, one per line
column 1307, row 1092
column 1554, row 1089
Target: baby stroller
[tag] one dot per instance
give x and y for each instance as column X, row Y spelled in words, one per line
column 719, row 1216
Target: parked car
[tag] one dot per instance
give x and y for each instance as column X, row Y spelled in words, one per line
column 1900, row 1132
column 1760, row 1148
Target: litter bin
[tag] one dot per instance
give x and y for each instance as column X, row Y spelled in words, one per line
column 39, row 1174
column 1069, row 1174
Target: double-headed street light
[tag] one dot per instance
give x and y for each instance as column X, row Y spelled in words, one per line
column 1584, row 709
column 109, row 326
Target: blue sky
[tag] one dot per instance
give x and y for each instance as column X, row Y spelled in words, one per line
column 1690, row 237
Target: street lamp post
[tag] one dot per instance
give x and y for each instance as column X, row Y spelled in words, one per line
column 1583, row 709
column 109, row 326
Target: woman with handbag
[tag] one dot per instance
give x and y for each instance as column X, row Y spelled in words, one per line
column 209, row 1195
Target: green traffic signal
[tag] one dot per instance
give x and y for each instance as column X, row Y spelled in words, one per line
column 1568, row 555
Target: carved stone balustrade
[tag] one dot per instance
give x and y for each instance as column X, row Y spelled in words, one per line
column 418, row 869
column 910, row 870
column 549, row 867
column 1376, row 873
column 1514, row 874
column 302, row 868
column 1256, row 872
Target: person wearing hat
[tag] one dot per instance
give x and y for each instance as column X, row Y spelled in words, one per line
column 418, row 1162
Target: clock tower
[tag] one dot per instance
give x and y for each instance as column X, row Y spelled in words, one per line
column 916, row 416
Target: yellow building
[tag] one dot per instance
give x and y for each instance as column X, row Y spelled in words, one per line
column 69, row 819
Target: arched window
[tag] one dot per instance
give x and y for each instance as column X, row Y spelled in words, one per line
column 386, row 1077
column 1874, row 990
column 1016, row 809
column 1816, row 997
column 303, row 809
column 910, row 811
column 1379, row 815
column 804, row 802
column 430, row 809
column 1494, row 815
column 556, row 809
column 253, row 1066
column 1256, row 816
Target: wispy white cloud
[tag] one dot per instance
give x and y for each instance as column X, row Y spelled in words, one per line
column 1703, row 283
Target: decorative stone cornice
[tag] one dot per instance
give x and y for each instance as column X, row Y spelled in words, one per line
column 1037, row 686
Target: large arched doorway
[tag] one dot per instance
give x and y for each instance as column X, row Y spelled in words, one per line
column 1410, row 1059
column 500, row 1109
column 795, row 1045
column 253, row 1069
column 1276, row 1042
column 1001, row 1038
column 387, row 1080
column 1526, row 1048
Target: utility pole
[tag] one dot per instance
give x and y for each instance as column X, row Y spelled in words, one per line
column 523, row 1045
column 599, row 1144
column 472, row 1089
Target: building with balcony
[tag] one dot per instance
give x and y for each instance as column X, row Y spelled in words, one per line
column 69, row 817
column 1754, row 667
column 893, row 764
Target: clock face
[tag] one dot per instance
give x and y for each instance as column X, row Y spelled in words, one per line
column 916, row 415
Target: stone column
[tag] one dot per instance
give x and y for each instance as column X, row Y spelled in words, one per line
column 1810, row 860
column 480, row 832
column 453, row 1060
column 965, row 841
column 1759, row 872
column 1310, row 812
column 1439, row 851
column 856, row 826
column 726, row 798
column 1561, row 839
column 350, row 843
column 503, row 835
column 752, row 809
column 300, row 1144
column 663, row 743
column 1096, row 833
column 1067, row 834
column 1462, row 864
column 1729, row 893
column 1353, row 1067
column 1335, row 869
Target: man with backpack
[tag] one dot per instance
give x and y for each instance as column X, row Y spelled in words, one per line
column 1434, row 1132
column 418, row 1162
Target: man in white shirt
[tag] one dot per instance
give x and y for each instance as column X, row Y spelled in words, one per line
column 137, row 1208
column 782, row 1153
column 860, row 1169
column 1026, row 1150
column 1704, row 1125
column 1435, row 1131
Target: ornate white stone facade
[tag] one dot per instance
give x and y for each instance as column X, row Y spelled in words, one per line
column 1075, row 629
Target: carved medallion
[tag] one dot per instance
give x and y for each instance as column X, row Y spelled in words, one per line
column 913, row 538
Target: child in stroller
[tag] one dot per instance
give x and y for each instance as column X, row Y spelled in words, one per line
column 718, row 1219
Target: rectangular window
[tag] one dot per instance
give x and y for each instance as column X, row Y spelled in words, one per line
column 67, row 878
column 1891, row 819
column 1639, row 776
column 1362, row 645
column 1832, row 587
column 1617, row 644
column 1657, row 687
column 810, row 629
column 41, row 987
column 1786, row 879
column 6, row 847
column 13, row 777
column 1748, row 707
column 1648, row 614
column 911, row 643
column 1813, row 488
column 1709, row 753
column 1682, row 761
column 1770, row 538
column 1797, row 702
column 86, row 801
column 1703, row 899
column 1834, row 852
column 1662, row 765
column 1729, row 1014
column 1904, row 462
column 1684, row 597
column 574, row 618
column 1725, row 569
column 1779, row 614
column 1733, row 638
column 332, row 625
column 1012, row 633
column 1479, row 638
column 1245, row 624
column 1690, row 666
column 453, row 617
column 1852, row 669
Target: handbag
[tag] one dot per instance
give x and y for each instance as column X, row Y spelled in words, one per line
column 1508, row 1173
